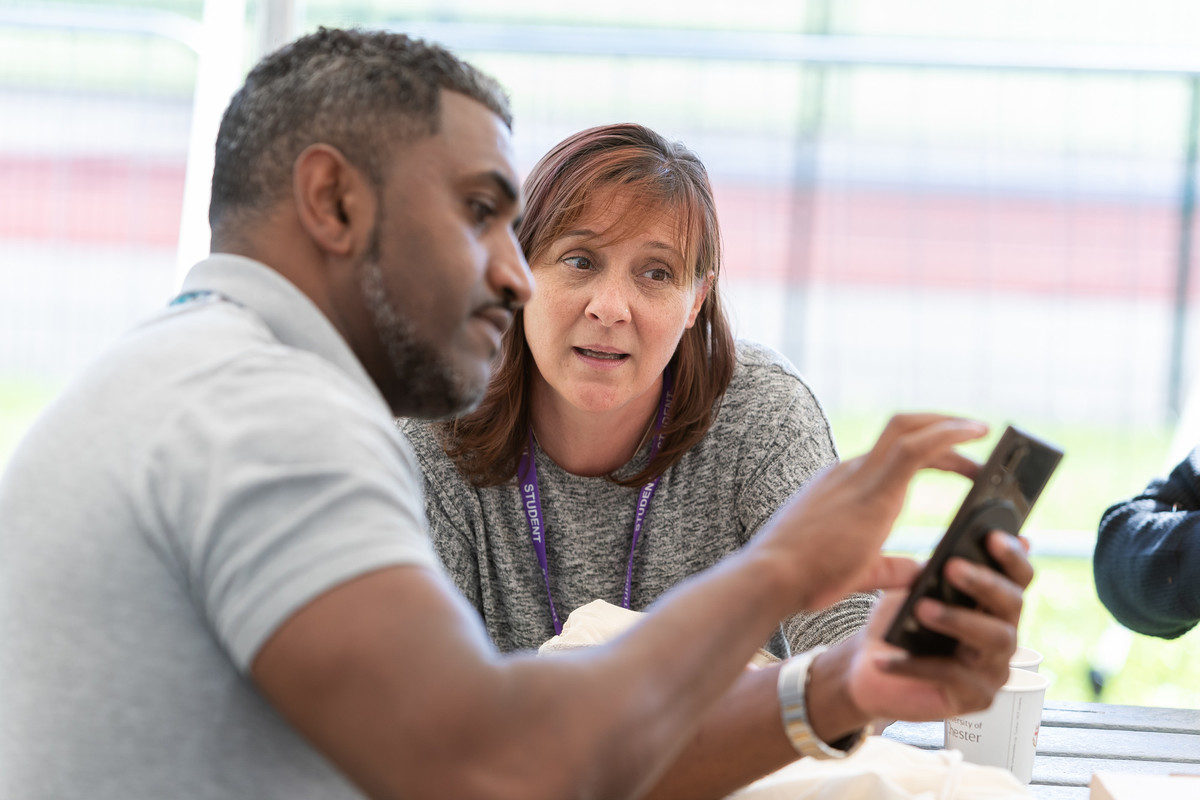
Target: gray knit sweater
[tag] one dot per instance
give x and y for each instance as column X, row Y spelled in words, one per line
column 770, row 437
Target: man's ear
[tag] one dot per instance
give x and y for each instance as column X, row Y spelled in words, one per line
column 334, row 201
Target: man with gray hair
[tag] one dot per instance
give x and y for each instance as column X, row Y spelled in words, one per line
column 216, row 580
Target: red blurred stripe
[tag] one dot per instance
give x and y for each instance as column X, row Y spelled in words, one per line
column 858, row 236
column 83, row 200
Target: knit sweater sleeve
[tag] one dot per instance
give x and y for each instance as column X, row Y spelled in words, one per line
column 1147, row 559
column 793, row 442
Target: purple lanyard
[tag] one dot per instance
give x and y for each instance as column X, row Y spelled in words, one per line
column 532, row 502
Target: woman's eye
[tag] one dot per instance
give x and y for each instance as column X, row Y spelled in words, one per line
column 578, row 262
column 658, row 274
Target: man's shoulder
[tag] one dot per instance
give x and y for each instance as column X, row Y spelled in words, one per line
column 226, row 343
column 216, row 379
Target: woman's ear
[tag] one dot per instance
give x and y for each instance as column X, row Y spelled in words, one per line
column 701, row 296
column 334, row 201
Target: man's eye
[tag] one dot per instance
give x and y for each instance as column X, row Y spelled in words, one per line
column 481, row 211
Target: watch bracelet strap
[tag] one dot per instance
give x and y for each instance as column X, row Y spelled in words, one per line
column 792, row 685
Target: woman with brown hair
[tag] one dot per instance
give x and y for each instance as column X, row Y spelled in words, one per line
column 625, row 441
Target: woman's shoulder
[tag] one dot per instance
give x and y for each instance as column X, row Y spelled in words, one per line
column 418, row 434
column 760, row 368
column 435, row 464
column 752, row 353
column 767, row 388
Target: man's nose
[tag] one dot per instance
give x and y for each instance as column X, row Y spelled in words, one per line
column 509, row 273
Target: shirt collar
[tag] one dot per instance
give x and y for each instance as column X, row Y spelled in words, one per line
column 289, row 313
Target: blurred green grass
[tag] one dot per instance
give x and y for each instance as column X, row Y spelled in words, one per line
column 1063, row 617
column 20, row 402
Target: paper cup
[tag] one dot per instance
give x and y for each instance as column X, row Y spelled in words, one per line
column 1026, row 658
column 1005, row 735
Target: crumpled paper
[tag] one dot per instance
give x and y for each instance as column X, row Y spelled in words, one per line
column 882, row 769
column 600, row 621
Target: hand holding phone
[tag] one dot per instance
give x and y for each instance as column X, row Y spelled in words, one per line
column 1004, row 491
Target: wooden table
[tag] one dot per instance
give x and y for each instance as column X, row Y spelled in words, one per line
column 1078, row 739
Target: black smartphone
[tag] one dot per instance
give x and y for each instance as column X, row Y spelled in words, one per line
column 1001, row 496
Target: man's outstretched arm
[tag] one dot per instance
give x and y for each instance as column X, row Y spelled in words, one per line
column 392, row 677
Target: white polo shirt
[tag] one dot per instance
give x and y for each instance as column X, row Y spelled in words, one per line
column 223, row 465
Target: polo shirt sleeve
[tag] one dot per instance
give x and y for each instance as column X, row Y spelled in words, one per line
column 293, row 481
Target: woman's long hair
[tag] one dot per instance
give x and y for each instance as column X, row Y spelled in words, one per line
column 486, row 444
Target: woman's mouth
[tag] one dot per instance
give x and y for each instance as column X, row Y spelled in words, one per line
column 603, row 355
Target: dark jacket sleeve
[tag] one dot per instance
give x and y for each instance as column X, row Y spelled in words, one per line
column 1147, row 560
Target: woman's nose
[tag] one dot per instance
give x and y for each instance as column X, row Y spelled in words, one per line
column 610, row 303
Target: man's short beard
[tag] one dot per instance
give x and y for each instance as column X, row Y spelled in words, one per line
column 433, row 387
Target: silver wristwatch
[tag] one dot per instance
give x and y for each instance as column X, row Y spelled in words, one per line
column 794, row 678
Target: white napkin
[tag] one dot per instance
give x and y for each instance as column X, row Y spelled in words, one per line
column 884, row 769
column 595, row 623
column 600, row 621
